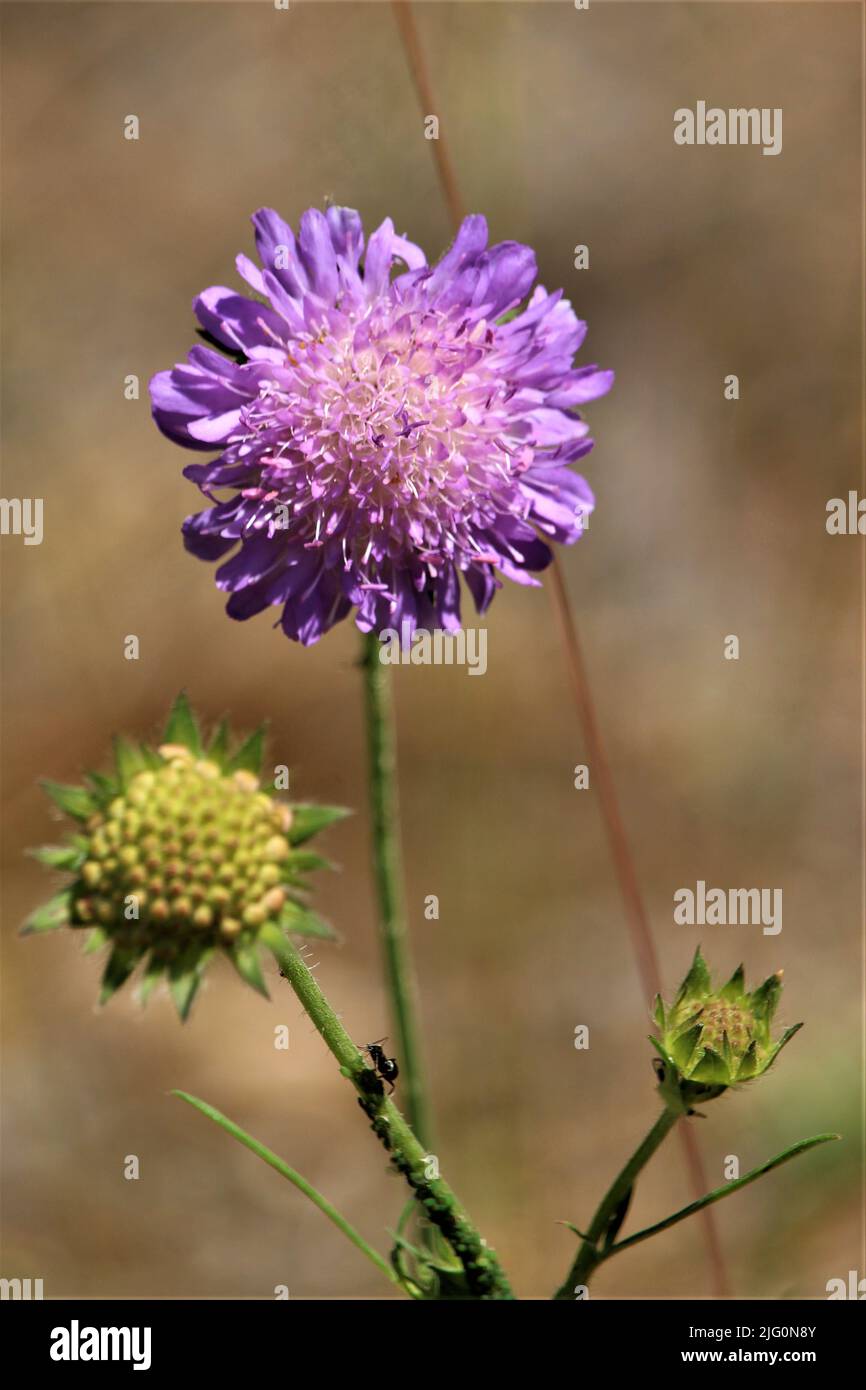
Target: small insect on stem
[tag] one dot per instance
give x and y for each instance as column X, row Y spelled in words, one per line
column 385, row 1067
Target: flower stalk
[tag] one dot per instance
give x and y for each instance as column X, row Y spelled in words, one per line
column 612, row 1209
column 387, row 860
column 709, row 1039
column 484, row 1276
column 599, row 1243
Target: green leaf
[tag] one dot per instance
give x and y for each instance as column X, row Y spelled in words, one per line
column 308, row 819
column 709, row 1069
column 248, row 758
column 129, row 760
column 183, row 991
column 151, row 759
column 783, row 1041
column 749, row 1062
column 185, row 975
column 450, row 1285
column 50, row 916
column 97, row 937
column 59, row 856
column 698, row 979
column 576, row 1231
column 765, row 998
column 75, row 801
column 716, row 1196
column 154, row 972
column 686, row 1049
column 736, row 984
column 429, row 1277
column 119, row 967
column 245, row 957
column 281, row 1167
column 182, row 726
column 304, row 861
column 300, row 921
column 218, row 747
column 104, row 789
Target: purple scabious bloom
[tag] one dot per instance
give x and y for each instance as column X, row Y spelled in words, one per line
column 384, row 425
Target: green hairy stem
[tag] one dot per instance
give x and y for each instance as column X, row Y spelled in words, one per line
column 599, row 1242
column 484, row 1275
column 387, row 858
column 611, row 1207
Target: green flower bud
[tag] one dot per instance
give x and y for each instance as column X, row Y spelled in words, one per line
column 711, row 1039
column 208, row 858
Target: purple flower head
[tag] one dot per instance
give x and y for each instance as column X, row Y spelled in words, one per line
column 384, row 425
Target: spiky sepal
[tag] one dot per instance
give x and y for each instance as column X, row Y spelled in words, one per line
column 710, row 1039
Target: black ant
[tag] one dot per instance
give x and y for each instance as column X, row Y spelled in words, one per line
column 385, row 1066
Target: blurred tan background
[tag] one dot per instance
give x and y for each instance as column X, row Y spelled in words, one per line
column 710, row 521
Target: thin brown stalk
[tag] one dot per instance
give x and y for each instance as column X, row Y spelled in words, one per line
column 640, row 931
column 423, row 90
column 636, row 916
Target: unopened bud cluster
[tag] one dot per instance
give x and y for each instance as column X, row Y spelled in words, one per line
column 712, row 1038
column 184, row 853
column 181, row 855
